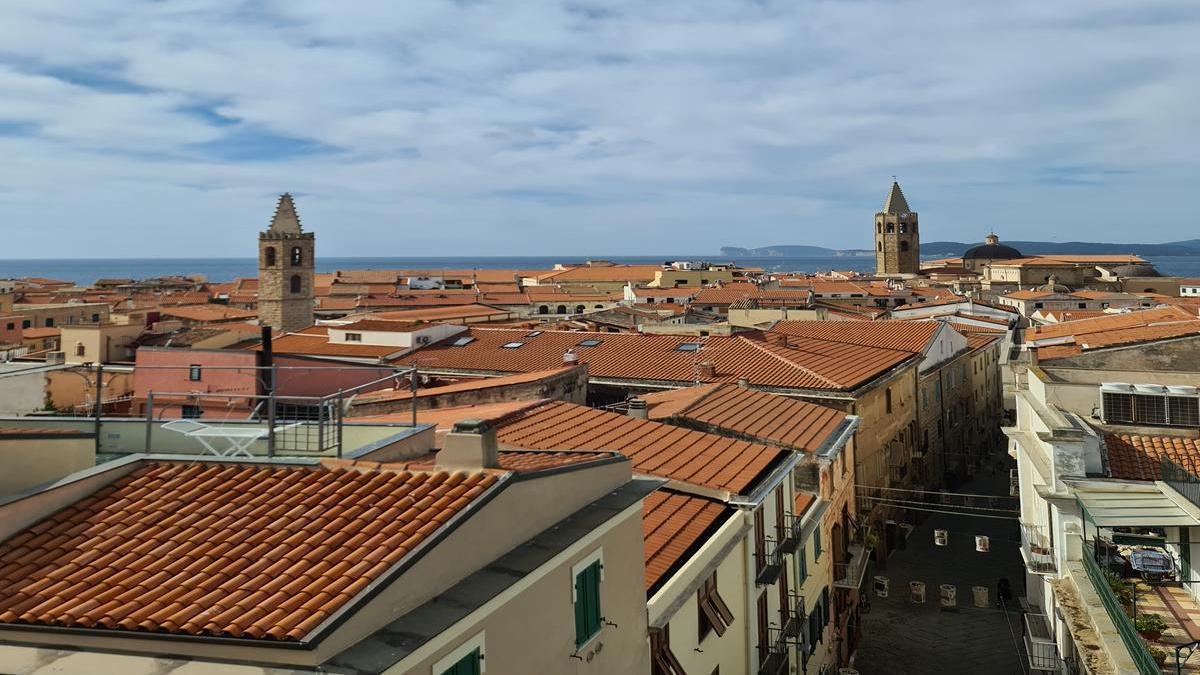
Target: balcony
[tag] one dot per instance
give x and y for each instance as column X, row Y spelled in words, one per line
column 793, row 617
column 775, row 659
column 1181, row 480
column 849, row 574
column 1037, row 550
column 898, row 473
column 770, row 563
column 790, row 536
column 1040, row 645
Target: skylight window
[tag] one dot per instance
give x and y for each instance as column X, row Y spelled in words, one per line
column 512, row 345
column 590, row 343
column 688, row 347
column 533, row 333
column 462, row 341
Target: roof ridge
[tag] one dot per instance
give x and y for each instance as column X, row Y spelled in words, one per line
column 788, row 361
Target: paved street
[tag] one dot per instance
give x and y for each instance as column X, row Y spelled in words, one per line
column 901, row 638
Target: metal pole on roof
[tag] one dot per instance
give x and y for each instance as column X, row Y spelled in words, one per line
column 271, row 415
column 149, row 417
column 412, row 376
column 99, row 397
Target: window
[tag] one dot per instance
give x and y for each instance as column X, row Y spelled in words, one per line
column 512, row 345
column 194, row 373
column 269, row 256
column 26, row 323
column 79, row 349
column 891, row 227
column 579, row 309
column 714, row 613
column 191, row 412
column 887, row 399
column 1083, row 305
column 802, row 558
column 95, row 318
column 585, row 594
column 903, row 246
column 760, row 541
column 590, row 343
column 462, row 341
column 687, row 347
column 49, row 322
column 662, row 660
column 467, row 659
column 903, row 230
column 562, row 309
column 816, row 544
column 543, row 309
column 1037, row 305
column 297, row 256
column 297, row 285
column 12, row 325
column 353, row 337
column 533, row 333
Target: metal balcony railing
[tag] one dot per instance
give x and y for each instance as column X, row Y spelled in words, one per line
column 770, row 563
column 774, row 658
column 1037, row 550
column 1134, row 644
column 849, row 574
column 1040, row 644
column 1181, row 480
column 792, row 617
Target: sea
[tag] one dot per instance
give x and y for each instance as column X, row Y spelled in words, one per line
column 84, row 271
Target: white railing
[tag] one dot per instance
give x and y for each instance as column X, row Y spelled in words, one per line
column 1037, row 549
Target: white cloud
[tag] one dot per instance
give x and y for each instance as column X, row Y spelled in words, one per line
column 429, row 127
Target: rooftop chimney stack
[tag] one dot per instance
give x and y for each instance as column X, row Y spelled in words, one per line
column 638, row 409
column 706, row 370
column 470, row 446
column 570, row 358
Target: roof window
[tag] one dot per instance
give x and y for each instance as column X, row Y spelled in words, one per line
column 688, row 347
column 512, row 345
column 590, row 343
column 462, row 341
column 534, row 333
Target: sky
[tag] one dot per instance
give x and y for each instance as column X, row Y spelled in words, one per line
column 131, row 128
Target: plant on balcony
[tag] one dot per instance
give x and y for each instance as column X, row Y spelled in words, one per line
column 871, row 541
column 1159, row 655
column 1150, row 626
column 1122, row 592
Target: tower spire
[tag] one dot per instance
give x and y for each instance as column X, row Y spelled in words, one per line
column 895, row 202
column 286, row 219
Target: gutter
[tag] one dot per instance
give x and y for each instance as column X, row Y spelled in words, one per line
column 755, row 498
column 846, row 430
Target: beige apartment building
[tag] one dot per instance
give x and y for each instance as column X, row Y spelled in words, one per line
column 58, row 315
column 99, row 342
column 415, row 565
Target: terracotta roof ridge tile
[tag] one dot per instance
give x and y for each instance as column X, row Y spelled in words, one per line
column 780, row 357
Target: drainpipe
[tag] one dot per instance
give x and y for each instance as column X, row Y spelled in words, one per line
column 751, row 609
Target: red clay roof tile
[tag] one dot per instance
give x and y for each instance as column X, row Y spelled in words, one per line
column 673, row 524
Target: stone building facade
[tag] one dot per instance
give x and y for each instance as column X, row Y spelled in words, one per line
column 897, row 240
column 285, row 271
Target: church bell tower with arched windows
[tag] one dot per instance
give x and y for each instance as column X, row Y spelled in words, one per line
column 897, row 239
column 285, row 271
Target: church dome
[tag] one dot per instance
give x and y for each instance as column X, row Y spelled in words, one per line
column 992, row 249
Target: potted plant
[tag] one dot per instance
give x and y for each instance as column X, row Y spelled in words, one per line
column 1159, row 655
column 1150, row 626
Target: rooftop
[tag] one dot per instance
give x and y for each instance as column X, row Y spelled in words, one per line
column 1139, row 456
column 674, row 524
column 224, row 550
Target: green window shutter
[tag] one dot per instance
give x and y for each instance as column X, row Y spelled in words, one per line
column 816, row 543
column 467, row 665
column 803, row 556
column 587, row 603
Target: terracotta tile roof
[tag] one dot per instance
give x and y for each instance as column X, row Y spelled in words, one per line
column 603, row 273
column 35, row 431
column 656, row 449
column 674, row 525
column 730, row 293
column 1034, row 295
column 314, row 341
column 757, row 415
column 465, row 385
column 939, row 301
column 803, row 500
column 978, row 340
column 35, row 333
column 238, row 551
column 1138, row 457
column 438, row 313
column 909, row 336
column 1112, row 322
column 1113, row 330
column 518, row 461
column 208, row 313
column 382, row 325
column 443, row 419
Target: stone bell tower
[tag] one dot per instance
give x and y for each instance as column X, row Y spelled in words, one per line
column 285, row 271
column 897, row 240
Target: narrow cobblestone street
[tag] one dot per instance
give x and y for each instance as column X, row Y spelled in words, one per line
column 901, row 638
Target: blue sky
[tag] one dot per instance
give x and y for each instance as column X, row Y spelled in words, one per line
column 132, row 128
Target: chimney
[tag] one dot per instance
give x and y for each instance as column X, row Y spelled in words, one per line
column 470, row 446
column 743, row 383
column 638, row 409
column 570, row 358
column 706, row 370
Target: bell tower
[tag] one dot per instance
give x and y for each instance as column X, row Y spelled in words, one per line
column 897, row 239
column 285, row 271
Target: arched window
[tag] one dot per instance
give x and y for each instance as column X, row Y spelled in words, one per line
column 903, row 228
column 599, row 306
column 297, row 285
column 562, row 309
column 879, row 228
column 879, row 246
column 542, row 309
column 579, row 309
column 269, row 257
column 904, row 246
column 297, row 256
column 891, row 227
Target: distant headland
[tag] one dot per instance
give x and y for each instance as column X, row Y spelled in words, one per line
column 1189, row 247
